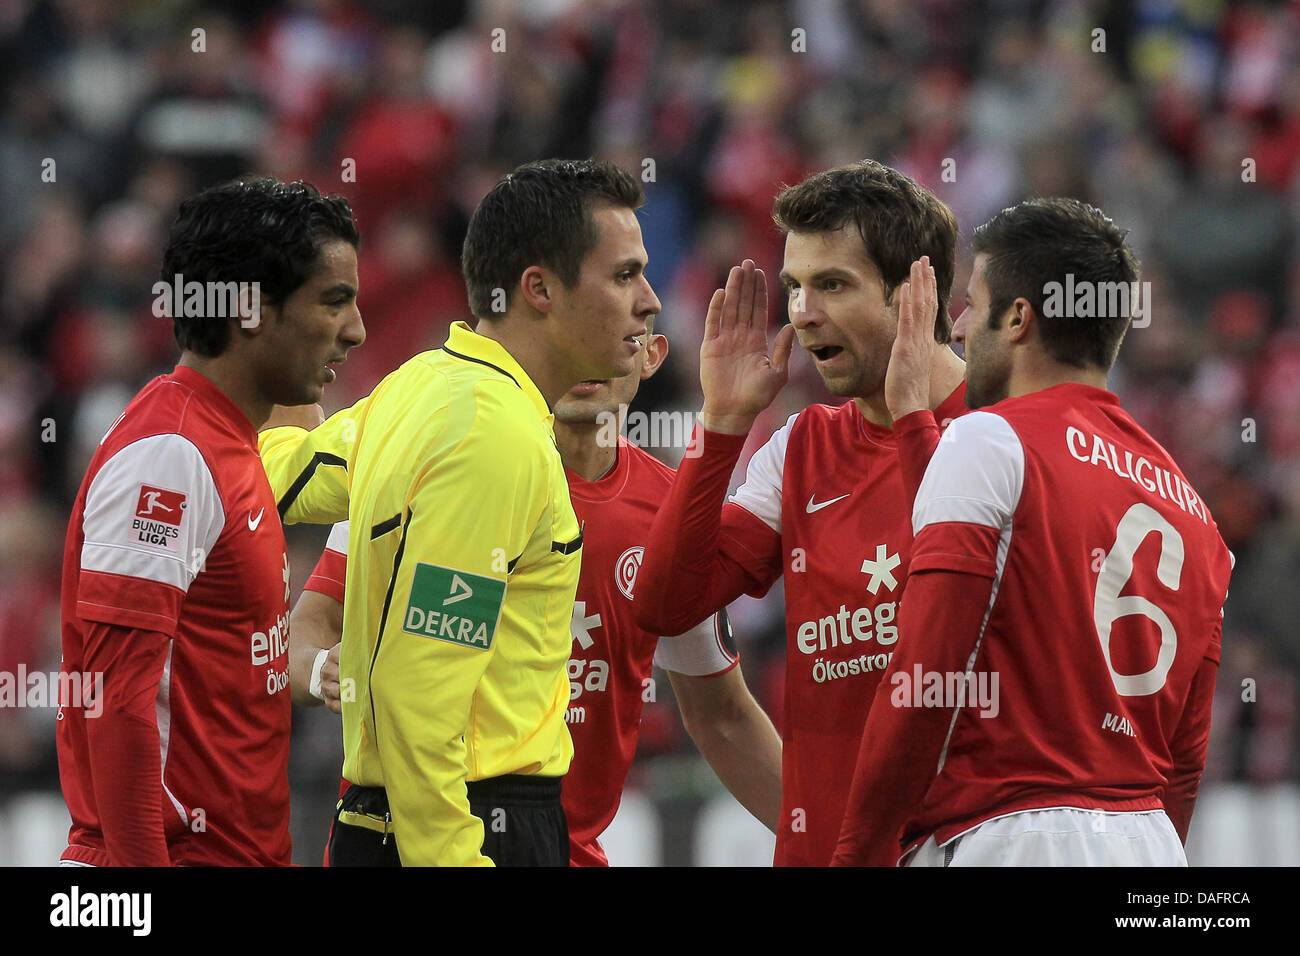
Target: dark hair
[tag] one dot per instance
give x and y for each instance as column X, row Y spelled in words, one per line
column 540, row 214
column 898, row 220
column 249, row 230
column 1039, row 242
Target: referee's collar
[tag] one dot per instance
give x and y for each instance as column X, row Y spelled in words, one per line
column 464, row 342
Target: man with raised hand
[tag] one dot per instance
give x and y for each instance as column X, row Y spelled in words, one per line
column 1059, row 638
column 826, row 501
column 464, row 546
column 175, row 571
column 616, row 489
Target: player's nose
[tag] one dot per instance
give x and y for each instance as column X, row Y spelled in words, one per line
column 353, row 332
column 649, row 303
column 959, row 327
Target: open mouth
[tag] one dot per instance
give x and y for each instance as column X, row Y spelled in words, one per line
column 824, row 353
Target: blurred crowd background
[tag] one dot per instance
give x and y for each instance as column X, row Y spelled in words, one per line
column 1180, row 118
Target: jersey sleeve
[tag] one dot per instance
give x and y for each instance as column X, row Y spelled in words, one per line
column 330, row 573
column 467, row 509
column 152, row 515
column 309, row 470
column 707, row 649
column 970, row 491
column 760, row 494
column 703, row 552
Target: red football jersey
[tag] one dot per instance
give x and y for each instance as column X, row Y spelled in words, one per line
column 175, row 530
column 610, row 670
column 829, row 483
column 1109, row 577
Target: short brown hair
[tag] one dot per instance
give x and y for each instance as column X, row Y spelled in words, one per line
column 898, row 220
column 540, row 214
column 1042, row 241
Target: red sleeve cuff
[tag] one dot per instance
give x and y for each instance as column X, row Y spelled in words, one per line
column 329, row 575
column 956, row 546
column 127, row 601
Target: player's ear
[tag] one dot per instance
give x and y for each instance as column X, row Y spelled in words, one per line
column 255, row 313
column 656, row 351
column 535, row 287
column 1021, row 320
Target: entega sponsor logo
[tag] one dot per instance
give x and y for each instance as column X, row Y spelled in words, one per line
column 844, row 627
column 269, row 646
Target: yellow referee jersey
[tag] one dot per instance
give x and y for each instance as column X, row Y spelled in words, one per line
column 462, row 565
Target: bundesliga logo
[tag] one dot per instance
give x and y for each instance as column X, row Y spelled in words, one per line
column 158, row 515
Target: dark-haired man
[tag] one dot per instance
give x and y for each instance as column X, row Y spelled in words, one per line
column 187, row 764
column 825, row 501
column 464, row 547
column 1049, row 701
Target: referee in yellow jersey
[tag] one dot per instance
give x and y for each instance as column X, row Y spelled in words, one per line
column 464, row 550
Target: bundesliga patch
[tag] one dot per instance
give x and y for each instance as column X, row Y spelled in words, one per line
column 158, row 515
column 453, row 606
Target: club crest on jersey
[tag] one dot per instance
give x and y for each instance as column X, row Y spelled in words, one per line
column 454, row 606
column 625, row 569
column 158, row 515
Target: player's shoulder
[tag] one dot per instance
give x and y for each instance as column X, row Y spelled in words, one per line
column 644, row 469
column 169, row 413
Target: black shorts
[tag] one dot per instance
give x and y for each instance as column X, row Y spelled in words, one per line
column 523, row 824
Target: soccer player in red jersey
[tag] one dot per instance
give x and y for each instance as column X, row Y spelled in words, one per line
column 1049, row 702
column 824, row 502
column 175, row 572
column 616, row 489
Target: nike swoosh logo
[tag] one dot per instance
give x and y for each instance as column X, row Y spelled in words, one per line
column 254, row 522
column 813, row 505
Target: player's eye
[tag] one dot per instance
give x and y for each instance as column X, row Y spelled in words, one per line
column 833, row 285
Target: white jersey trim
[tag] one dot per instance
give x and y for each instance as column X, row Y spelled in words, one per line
column 976, row 476
column 699, row 652
column 760, row 494
column 111, row 545
column 338, row 539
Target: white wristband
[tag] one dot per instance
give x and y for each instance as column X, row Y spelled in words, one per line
column 313, row 688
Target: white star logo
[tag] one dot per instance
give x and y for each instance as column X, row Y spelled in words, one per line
column 881, row 569
column 286, row 577
column 580, row 625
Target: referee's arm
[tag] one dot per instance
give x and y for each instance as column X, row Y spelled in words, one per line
column 308, row 470
column 468, row 509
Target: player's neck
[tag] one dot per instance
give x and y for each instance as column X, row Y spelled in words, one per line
column 584, row 450
column 234, row 377
column 527, row 344
column 946, row 373
column 1044, row 373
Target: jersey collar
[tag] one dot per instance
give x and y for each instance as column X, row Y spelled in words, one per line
column 216, row 401
column 463, row 342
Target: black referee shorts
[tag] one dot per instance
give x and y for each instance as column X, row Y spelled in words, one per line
column 523, row 824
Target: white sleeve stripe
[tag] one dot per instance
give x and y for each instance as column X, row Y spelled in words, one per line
column 111, row 544
column 697, row 653
column 136, row 563
column 760, row 494
column 1004, row 546
column 338, row 539
column 976, row 475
